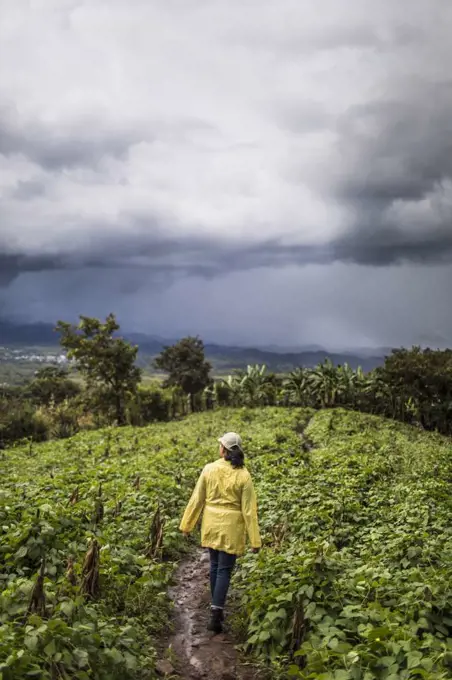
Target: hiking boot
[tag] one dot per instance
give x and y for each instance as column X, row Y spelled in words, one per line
column 215, row 624
column 220, row 610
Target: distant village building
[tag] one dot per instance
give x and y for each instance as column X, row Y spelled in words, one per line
column 9, row 354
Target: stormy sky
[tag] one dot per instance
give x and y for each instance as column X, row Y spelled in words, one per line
column 248, row 170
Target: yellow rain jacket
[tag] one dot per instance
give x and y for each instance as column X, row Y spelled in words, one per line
column 227, row 496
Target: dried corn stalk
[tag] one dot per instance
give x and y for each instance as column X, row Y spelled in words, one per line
column 90, row 571
column 279, row 534
column 74, row 497
column 98, row 514
column 70, row 575
column 298, row 632
column 37, row 602
column 156, row 534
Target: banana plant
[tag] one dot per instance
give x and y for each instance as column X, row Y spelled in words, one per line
column 298, row 387
column 325, row 381
column 233, row 384
column 256, row 383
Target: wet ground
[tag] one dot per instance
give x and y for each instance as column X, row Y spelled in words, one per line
column 192, row 652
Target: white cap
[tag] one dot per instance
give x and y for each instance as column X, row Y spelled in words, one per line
column 231, row 440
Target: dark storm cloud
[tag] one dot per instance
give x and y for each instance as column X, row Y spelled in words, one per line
column 140, row 257
column 183, row 256
column 11, row 265
column 305, row 137
column 393, row 150
column 395, row 173
column 382, row 247
column 56, row 148
column 159, row 255
column 398, row 149
column 379, row 248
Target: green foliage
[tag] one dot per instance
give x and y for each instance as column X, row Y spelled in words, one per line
column 51, row 385
column 103, row 359
column 222, row 393
column 420, row 384
column 53, row 501
column 186, row 366
column 253, row 387
column 20, row 420
column 414, row 386
column 64, row 419
column 150, row 405
column 353, row 580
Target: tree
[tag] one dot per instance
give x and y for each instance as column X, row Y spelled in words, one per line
column 186, row 366
column 106, row 361
column 51, row 384
column 420, row 382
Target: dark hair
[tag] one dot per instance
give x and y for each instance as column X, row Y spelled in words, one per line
column 235, row 456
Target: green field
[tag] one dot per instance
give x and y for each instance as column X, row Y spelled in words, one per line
column 354, row 581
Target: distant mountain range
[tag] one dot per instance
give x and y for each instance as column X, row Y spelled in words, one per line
column 222, row 357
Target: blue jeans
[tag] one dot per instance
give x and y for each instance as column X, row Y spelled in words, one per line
column 221, row 567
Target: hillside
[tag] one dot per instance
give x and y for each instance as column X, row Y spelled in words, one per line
column 353, row 582
column 24, row 348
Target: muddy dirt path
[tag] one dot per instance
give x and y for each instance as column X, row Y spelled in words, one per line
column 196, row 653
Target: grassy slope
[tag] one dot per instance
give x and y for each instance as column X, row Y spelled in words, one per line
column 357, row 558
column 364, row 559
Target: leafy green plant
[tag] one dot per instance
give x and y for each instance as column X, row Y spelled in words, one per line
column 353, row 581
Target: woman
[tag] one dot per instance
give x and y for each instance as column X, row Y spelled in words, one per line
column 226, row 494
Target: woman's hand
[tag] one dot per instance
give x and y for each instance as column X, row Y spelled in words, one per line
column 255, row 550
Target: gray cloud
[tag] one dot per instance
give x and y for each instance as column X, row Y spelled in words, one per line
column 303, row 117
column 387, row 246
column 137, row 257
column 27, row 190
column 398, row 149
column 289, row 140
column 396, row 173
column 326, row 35
column 56, row 148
column 13, row 265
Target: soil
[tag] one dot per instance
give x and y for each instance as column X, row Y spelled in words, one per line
column 191, row 651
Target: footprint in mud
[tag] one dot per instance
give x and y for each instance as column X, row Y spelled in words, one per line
column 201, row 654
